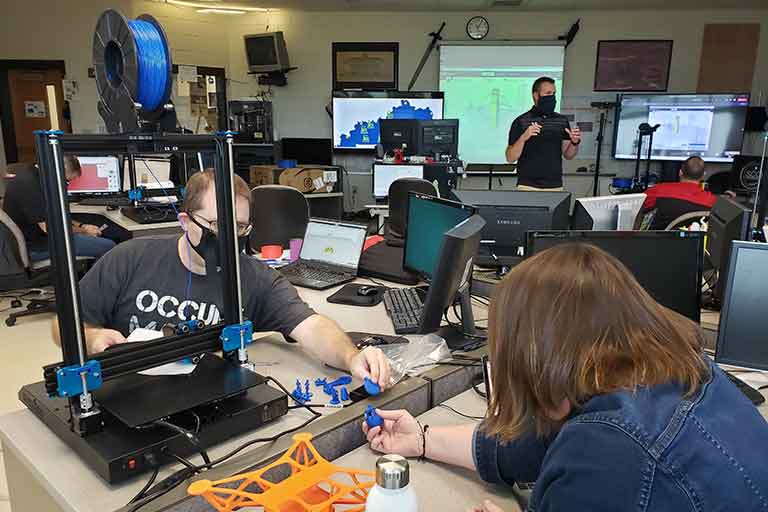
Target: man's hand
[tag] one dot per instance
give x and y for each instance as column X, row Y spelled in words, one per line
column 486, row 506
column 574, row 134
column 730, row 193
column 399, row 434
column 101, row 339
column 532, row 131
column 371, row 362
column 90, row 230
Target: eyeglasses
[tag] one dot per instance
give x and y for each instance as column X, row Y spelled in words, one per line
column 242, row 229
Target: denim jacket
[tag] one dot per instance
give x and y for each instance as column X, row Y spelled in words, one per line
column 651, row 450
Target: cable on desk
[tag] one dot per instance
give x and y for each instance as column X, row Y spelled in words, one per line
column 188, row 434
column 478, row 418
column 146, row 487
column 377, row 283
column 175, row 479
column 179, row 458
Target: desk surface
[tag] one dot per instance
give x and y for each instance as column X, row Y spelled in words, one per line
column 64, row 477
column 459, row 489
column 74, row 487
column 121, row 220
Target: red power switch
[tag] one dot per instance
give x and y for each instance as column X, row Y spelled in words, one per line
column 131, row 463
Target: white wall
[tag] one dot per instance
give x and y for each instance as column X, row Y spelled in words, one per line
column 39, row 29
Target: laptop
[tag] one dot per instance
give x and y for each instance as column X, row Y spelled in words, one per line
column 329, row 255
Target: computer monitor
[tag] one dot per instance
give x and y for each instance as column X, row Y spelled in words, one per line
column 609, row 213
column 508, row 215
column 668, row 264
column 356, row 114
column 728, row 221
column 385, row 174
column 452, row 277
column 99, row 175
column 741, row 339
column 428, row 218
column 707, row 125
column 399, row 134
column 307, row 151
column 439, row 137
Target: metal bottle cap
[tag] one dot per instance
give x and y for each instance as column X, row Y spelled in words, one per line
column 392, row 472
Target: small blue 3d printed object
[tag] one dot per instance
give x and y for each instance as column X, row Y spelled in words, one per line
column 371, row 418
column 344, row 394
column 371, row 387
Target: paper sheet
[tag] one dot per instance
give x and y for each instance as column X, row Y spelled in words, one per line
column 176, row 368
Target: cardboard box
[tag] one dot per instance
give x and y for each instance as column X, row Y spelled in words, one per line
column 263, row 175
column 310, row 180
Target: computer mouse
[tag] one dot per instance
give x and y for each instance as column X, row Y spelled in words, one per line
column 367, row 291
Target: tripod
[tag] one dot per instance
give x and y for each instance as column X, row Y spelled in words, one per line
column 643, row 130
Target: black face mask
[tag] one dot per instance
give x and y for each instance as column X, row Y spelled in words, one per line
column 208, row 248
column 547, row 104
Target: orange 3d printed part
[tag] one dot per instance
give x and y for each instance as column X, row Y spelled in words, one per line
column 314, row 485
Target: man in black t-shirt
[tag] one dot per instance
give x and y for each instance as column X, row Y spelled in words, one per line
column 25, row 205
column 148, row 282
column 540, row 139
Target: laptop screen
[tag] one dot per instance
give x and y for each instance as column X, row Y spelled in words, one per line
column 334, row 243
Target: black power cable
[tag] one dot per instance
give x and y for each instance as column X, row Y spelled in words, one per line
column 175, row 479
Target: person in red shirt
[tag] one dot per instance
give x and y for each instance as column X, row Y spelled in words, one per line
column 672, row 200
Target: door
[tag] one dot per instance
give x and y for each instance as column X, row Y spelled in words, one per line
column 29, row 104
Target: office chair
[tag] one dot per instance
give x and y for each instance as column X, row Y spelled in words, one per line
column 398, row 206
column 686, row 219
column 278, row 214
column 27, row 273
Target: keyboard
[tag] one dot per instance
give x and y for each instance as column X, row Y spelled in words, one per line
column 104, row 201
column 404, row 307
column 317, row 278
column 751, row 393
column 150, row 214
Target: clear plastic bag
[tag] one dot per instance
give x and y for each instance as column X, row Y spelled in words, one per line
column 416, row 356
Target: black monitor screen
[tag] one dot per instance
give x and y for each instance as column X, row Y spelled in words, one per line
column 668, row 264
column 429, row 218
column 261, row 51
column 308, row 151
column 708, row 125
column 741, row 339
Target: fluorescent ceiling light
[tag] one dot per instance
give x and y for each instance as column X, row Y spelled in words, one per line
column 218, row 6
column 220, row 11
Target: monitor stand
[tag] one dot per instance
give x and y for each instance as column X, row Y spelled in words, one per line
column 467, row 337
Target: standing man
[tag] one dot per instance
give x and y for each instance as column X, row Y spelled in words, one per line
column 540, row 139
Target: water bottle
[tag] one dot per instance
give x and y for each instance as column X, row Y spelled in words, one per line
column 392, row 490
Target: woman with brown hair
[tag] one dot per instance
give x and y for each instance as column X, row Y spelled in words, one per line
column 602, row 397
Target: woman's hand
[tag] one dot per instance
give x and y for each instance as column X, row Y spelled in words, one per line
column 400, row 434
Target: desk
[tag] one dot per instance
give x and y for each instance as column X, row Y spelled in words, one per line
column 439, row 486
column 135, row 229
column 579, row 184
column 44, row 474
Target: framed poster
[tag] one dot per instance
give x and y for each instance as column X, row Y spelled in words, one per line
column 365, row 66
column 633, row 65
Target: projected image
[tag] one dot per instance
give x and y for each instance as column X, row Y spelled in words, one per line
column 487, row 87
column 356, row 120
column 707, row 125
column 683, row 129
